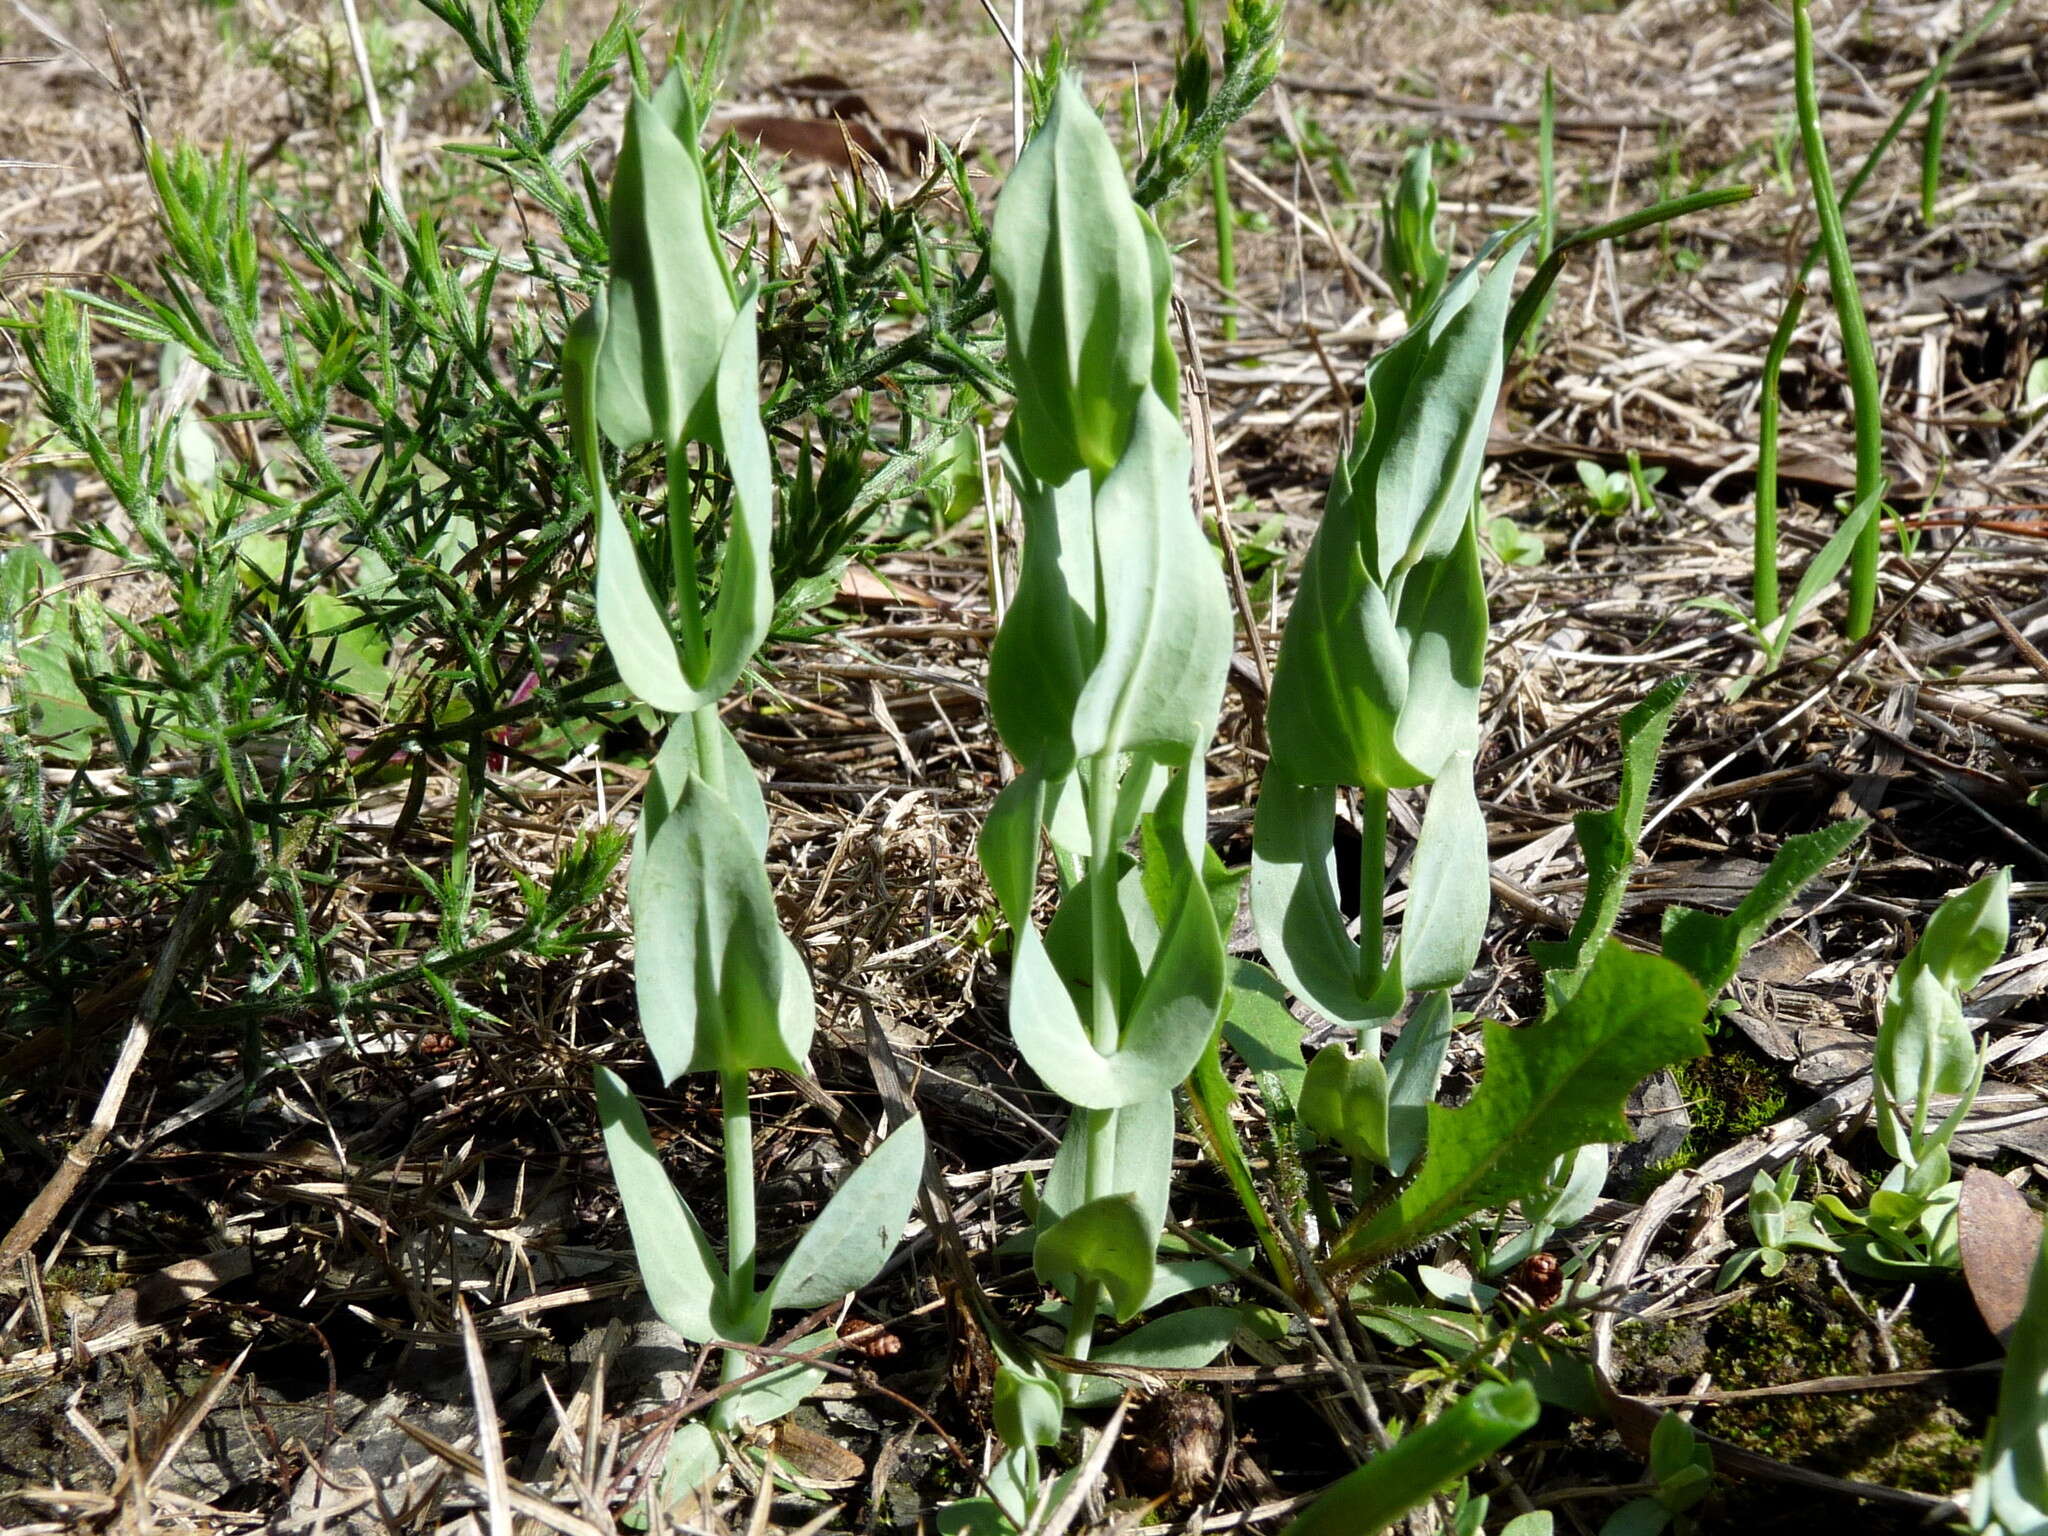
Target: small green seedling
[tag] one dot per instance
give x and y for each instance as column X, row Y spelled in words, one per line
column 1611, row 492
column 1415, row 264
column 1925, row 1052
column 1780, row 1224
column 1377, row 681
column 1512, row 544
column 1682, row 1470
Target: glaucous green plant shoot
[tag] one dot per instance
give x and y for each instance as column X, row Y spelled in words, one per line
column 667, row 355
column 1378, row 676
column 1105, row 683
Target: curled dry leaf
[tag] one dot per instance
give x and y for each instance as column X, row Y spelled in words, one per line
column 2000, row 1235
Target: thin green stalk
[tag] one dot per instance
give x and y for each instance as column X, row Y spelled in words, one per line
column 1530, row 301
column 1226, row 240
column 1764, row 555
column 1857, row 354
column 739, row 1198
column 1930, row 155
column 1781, row 339
column 1372, row 887
column 1546, row 176
column 1104, row 979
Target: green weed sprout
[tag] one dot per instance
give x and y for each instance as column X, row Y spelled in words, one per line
column 1682, row 1473
column 1780, row 1223
column 667, row 356
column 1925, row 1050
column 1416, row 265
column 2010, row 1494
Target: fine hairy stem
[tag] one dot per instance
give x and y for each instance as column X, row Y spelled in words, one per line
column 1372, row 886
column 1857, row 354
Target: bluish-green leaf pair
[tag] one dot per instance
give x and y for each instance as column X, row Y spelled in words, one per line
column 1378, row 676
column 667, row 356
column 1105, row 683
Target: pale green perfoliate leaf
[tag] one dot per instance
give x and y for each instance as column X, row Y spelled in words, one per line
column 652, row 660
column 1442, row 623
column 1259, row 1027
column 1108, row 1241
column 1157, row 682
column 1295, row 906
column 682, row 754
column 683, row 1277
column 1081, row 291
column 746, row 588
column 1027, row 1407
column 1414, row 1063
column 1424, row 1461
column 1607, row 840
column 1179, row 1341
column 1403, row 499
column 1710, row 946
column 1924, row 1044
column 720, row 986
column 857, row 1230
column 1048, row 641
column 671, row 297
column 1548, row 1089
column 1968, row 932
column 1449, row 885
column 1343, row 1102
column 1168, row 1024
column 1141, row 1161
column 776, row 1393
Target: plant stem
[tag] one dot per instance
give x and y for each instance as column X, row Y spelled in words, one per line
column 1104, row 967
column 1765, row 575
column 1226, row 240
column 1546, row 176
column 1764, row 554
column 1857, row 354
column 1930, row 155
column 1210, row 1097
column 710, row 750
column 1372, row 887
column 739, row 1201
